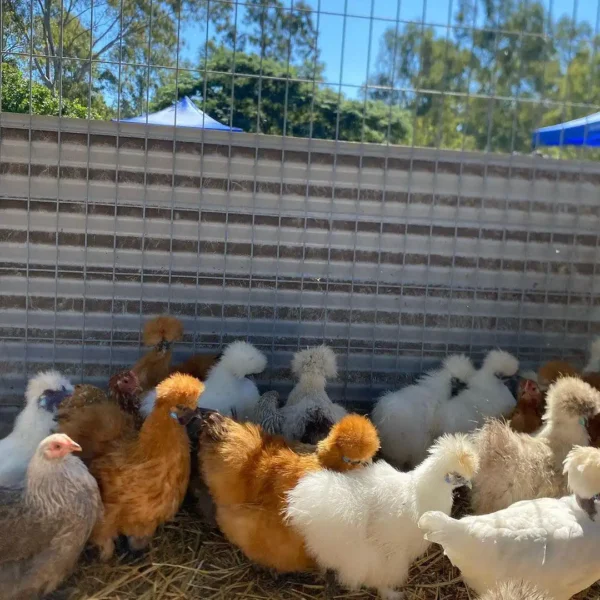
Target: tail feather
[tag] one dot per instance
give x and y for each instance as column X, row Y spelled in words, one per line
column 498, row 362
column 162, row 332
column 593, row 365
column 459, row 366
column 438, row 527
column 241, row 359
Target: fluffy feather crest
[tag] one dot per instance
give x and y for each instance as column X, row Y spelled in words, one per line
column 572, row 397
column 179, row 389
column 351, row 441
column 459, row 366
column 515, row 590
column 501, row 363
column 241, row 359
column 582, row 467
column 162, row 329
column 457, row 453
column 319, row 361
column 46, row 380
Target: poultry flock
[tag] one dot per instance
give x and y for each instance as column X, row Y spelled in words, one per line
column 301, row 484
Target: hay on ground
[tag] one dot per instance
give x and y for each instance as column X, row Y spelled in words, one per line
column 188, row 560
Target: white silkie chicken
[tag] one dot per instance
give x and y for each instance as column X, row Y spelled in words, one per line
column 45, row 391
column 363, row 523
column 552, row 543
column 227, row 387
column 404, row 418
column 309, row 413
column 516, row 466
column 486, row 395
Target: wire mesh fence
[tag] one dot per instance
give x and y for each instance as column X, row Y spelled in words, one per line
column 420, row 240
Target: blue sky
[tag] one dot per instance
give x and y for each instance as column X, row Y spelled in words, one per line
column 363, row 36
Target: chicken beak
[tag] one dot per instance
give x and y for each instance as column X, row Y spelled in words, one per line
column 74, row 446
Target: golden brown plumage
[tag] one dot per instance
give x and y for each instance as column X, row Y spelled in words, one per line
column 153, row 367
column 93, row 421
column 143, row 479
column 197, row 366
column 248, row 473
column 83, row 395
column 553, row 370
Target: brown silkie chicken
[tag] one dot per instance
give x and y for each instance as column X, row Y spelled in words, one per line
column 83, row 395
column 553, row 370
column 143, row 479
column 95, row 425
column 124, row 387
column 531, row 404
column 198, row 365
column 249, row 472
column 153, row 367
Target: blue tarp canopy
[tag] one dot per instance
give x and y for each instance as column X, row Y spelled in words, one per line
column 183, row 113
column 580, row 132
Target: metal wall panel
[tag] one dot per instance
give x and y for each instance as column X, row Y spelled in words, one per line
column 395, row 256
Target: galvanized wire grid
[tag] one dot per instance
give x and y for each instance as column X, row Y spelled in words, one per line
column 281, row 312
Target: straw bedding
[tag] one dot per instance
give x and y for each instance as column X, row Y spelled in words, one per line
column 190, row 560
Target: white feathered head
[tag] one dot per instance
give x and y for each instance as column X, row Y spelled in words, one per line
column 582, row 467
column 570, row 399
column 455, row 457
column 47, row 390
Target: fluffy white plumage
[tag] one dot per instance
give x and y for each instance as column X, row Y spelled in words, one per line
column 552, row 543
column 312, row 367
column 227, row 387
column 363, row 523
column 35, row 422
column 486, row 395
column 308, row 413
column 404, row 418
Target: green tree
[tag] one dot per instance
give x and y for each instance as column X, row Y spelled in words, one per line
column 288, row 105
column 68, row 40
column 276, row 31
column 20, row 95
column 433, row 73
column 490, row 83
